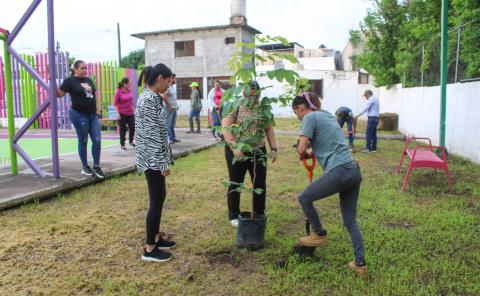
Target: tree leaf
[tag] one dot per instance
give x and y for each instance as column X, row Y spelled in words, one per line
column 290, row 78
column 271, row 74
column 279, row 75
column 258, row 190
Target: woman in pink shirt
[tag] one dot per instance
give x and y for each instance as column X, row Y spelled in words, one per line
column 124, row 106
column 214, row 100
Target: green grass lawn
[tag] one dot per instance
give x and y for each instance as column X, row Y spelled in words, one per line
column 423, row 242
column 38, row 148
column 282, row 124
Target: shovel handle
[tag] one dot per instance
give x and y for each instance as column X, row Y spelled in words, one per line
column 310, row 167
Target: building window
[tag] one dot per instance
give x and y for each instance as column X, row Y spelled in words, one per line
column 362, row 78
column 183, row 87
column 301, row 54
column 230, row 40
column 316, row 86
column 185, row 48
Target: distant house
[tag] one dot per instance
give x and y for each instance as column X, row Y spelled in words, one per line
column 313, row 64
column 199, row 54
column 349, row 62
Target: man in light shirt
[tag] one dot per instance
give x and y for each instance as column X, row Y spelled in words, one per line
column 170, row 100
column 373, row 111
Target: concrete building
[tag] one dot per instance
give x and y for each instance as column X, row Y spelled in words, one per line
column 318, row 65
column 199, row 54
column 322, row 59
column 348, row 63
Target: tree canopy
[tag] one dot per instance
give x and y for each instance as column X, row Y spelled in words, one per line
column 135, row 59
column 396, row 36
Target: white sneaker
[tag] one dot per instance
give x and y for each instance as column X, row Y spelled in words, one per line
column 234, row 223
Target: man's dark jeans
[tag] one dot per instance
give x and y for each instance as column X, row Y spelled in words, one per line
column 171, row 123
column 371, row 135
column 349, row 122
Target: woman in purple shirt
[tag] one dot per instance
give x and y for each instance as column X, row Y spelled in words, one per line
column 124, row 106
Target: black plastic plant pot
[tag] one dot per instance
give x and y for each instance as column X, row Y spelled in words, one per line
column 251, row 231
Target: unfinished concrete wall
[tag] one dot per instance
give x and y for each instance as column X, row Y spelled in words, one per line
column 210, row 60
column 211, row 52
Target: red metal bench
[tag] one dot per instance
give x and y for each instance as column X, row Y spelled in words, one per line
column 422, row 156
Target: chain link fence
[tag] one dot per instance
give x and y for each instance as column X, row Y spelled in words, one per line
column 425, row 69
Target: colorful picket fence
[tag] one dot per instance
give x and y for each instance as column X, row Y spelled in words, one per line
column 28, row 94
column 106, row 77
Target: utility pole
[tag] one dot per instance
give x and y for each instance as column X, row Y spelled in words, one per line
column 423, row 60
column 443, row 71
column 458, row 53
column 119, row 45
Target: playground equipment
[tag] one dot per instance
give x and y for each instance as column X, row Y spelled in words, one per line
column 28, row 92
column 27, row 95
column 11, row 54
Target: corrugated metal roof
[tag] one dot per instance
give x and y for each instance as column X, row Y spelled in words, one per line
column 278, row 46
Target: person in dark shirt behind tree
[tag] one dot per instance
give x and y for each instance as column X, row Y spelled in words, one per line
column 345, row 115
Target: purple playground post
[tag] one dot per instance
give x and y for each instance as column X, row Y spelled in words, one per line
column 51, row 87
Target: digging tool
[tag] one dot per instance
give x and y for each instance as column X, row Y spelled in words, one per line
column 305, row 251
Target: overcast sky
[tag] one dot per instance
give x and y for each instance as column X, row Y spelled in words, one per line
column 87, row 28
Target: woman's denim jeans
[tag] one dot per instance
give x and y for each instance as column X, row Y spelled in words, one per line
column 344, row 179
column 87, row 124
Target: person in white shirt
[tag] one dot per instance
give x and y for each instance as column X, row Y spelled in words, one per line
column 170, row 99
column 373, row 111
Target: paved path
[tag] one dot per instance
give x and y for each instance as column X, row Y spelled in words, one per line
column 26, row 186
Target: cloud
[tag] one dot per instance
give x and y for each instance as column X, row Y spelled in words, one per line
column 87, row 29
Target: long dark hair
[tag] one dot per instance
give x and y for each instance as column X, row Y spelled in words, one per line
column 122, row 82
column 75, row 66
column 149, row 74
column 310, row 100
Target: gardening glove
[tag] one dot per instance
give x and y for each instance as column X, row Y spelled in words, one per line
column 306, row 155
column 273, row 153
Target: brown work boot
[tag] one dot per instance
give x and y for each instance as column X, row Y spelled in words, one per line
column 360, row 270
column 313, row 240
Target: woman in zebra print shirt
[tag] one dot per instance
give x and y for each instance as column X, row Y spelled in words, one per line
column 153, row 155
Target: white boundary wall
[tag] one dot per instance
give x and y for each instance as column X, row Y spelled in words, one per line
column 419, row 114
column 418, row 108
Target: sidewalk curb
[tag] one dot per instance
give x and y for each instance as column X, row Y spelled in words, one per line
column 68, row 184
